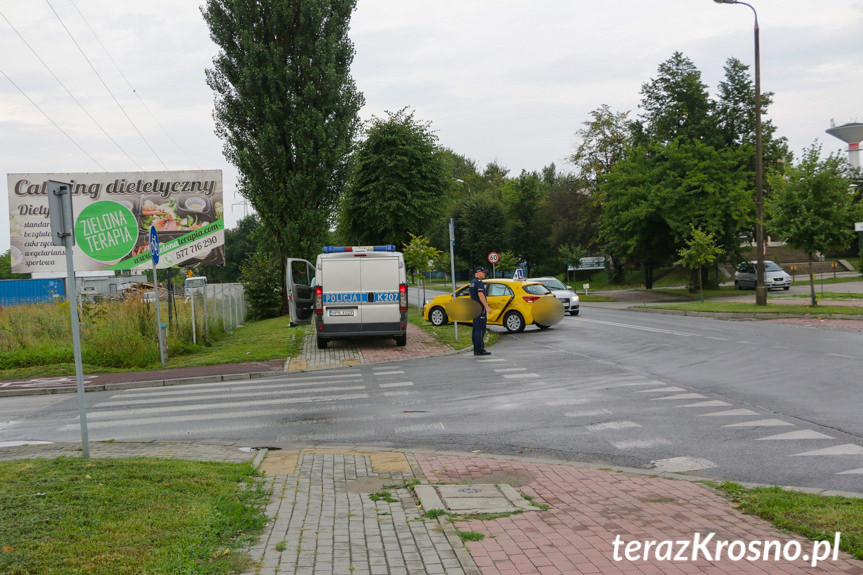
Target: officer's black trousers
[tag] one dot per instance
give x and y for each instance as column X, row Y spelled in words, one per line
column 478, row 333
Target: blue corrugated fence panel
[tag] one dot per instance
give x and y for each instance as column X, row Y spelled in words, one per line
column 17, row 292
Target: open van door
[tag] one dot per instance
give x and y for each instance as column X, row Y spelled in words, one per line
column 300, row 276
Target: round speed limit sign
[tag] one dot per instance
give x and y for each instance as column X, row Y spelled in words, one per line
column 493, row 258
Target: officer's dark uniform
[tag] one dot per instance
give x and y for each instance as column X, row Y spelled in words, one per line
column 479, row 323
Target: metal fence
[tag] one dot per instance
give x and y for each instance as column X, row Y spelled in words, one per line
column 216, row 306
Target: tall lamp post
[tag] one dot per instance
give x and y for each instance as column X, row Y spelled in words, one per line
column 469, row 193
column 760, row 289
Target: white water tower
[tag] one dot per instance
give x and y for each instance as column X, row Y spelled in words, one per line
column 851, row 134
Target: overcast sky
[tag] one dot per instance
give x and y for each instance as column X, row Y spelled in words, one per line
column 509, row 81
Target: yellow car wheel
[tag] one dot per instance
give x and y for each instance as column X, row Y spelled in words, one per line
column 437, row 316
column 513, row 322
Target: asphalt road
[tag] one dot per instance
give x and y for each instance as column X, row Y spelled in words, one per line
column 743, row 400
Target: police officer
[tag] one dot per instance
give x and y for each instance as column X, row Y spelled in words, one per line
column 478, row 294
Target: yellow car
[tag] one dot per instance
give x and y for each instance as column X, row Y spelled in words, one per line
column 514, row 304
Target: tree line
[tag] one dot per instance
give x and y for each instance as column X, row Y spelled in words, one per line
column 642, row 188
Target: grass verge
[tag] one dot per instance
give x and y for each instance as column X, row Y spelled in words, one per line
column 446, row 333
column 754, row 309
column 817, row 517
column 71, row 516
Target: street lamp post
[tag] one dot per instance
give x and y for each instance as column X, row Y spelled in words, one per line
column 465, row 183
column 760, row 289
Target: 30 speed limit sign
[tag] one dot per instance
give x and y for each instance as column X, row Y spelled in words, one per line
column 493, row 258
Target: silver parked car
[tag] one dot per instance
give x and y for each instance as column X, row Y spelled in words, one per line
column 774, row 276
column 562, row 292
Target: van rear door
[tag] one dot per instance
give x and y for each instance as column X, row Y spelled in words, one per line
column 342, row 294
column 300, row 282
column 380, row 283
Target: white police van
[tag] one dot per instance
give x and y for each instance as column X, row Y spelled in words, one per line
column 353, row 291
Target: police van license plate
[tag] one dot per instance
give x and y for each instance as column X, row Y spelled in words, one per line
column 341, row 312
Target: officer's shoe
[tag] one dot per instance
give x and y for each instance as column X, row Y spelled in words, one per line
column 482, row 352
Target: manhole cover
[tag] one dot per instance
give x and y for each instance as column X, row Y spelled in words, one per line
column 474, row 499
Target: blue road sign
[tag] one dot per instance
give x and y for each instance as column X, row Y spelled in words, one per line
column 154, row 244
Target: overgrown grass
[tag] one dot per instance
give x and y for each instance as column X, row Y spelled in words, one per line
column 122, row 516
column 114, row 334
column 814, row 516
column 256, row 341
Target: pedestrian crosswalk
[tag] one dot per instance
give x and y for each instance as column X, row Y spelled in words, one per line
column 307, row 407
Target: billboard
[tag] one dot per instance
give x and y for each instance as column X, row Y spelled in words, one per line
column 113, row 212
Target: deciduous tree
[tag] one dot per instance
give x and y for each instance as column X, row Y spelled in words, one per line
column 812, row 207
column 398, row 181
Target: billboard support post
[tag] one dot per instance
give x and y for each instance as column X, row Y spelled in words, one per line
column 60, row 212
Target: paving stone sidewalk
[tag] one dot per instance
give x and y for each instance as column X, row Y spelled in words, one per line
column 341, row 513
column 323, row 520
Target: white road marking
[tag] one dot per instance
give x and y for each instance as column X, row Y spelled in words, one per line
column 682, row 464
column 680, row 396
column 793, row 435
column 249, row 419
column 588, row 413
column 558, row 402
column 521, row 375
column 844, row 449
column 612, row 426
column 711, row 403
column 420, row 428
column 639, row 443
column 396, row 384
column 666, row 389
column 760, row 423
column 636, row 384
column 269, row 392
column 509, row 369
column 729, row 413
column 240, row 386
column 231, row 405
column 394, row 372
column 852, row 472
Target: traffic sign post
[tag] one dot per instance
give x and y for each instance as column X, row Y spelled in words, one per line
column 452, row 267
column 154, row 253
column 493, row 258
column 858, row 227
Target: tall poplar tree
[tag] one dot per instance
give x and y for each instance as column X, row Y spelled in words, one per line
column 287, row 109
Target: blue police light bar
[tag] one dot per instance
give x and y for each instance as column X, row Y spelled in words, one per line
column 344, row 249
